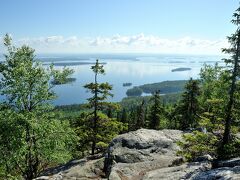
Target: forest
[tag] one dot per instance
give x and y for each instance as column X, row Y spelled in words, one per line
column 35, row 135
column 165, row 87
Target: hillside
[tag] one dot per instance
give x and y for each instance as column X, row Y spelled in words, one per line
column 165, row 87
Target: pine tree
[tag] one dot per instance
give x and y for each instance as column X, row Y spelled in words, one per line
column 124, row 116
column 233, row 64
column 140, row 116
column 189, row 105
column 100, row 91
column 132, row 119
column 156, row 111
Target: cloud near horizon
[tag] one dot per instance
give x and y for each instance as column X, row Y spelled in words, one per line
column 139, row 43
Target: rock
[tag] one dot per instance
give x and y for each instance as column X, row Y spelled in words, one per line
column 185, row 171
column 227, row 163
column 224, row 173
column 139, row 169
column 138, row 152
column 43, row 178
column 144, row 145
column 147, row 155
column 206, row 157
column 91, row 169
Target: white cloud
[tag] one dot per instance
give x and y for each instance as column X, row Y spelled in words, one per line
column 139, row 43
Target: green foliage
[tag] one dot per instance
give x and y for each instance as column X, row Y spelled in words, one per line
column 140, row 118
column 189, row 105
column 230, row 150
column 70, row 111
column 214, row 85
column 211, row 115
column 62, row 77
column 198, row 144
column 50, row 141
column 24, row 81
column 130, row 102
column 106, row 129
column 135, row 91
column 31, row 138
column 234, row 73
column 98, row 122
column 166, row 87
column 156, row 111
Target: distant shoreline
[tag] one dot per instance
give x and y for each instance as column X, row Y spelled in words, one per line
column 181, row 69
column 72, row 63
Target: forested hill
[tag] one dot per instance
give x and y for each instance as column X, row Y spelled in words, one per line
column 165, row 87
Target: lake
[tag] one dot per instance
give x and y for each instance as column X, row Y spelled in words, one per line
column 137, row 69
column 133, row 68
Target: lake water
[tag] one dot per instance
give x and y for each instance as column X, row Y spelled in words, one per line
column 137, row 69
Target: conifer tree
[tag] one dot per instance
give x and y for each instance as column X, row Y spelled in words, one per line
column 189, row 105
column 124, row 116
column 233, row 65
column 156, row 111
column 140, row 116
column 99, row 122
column 132, row 119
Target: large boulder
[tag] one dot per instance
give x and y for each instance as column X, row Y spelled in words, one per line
column 135, row 153
column 144, row 145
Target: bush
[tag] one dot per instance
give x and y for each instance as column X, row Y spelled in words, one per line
column 198, row 144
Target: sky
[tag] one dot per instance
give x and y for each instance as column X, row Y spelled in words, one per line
column 118, row 26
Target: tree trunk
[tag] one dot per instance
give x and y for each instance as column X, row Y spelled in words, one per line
column 227, row 131
column 95, row 116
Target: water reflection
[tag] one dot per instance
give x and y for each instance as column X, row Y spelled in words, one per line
column 140, row 72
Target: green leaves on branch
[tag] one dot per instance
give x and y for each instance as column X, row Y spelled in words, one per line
column 101, row 128
column 62, row 76
column 31, row 137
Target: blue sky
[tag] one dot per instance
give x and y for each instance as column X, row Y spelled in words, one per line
column 74, row 26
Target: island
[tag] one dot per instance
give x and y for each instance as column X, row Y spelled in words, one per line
column 135, row 91
column 127, row 84
column 165, row 87
column 181, row 69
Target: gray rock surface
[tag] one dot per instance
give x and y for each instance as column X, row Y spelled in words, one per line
column 184, row 171
column 224, row 173
column 146, row 155
column 138, row 152
column 144, row 145
column 82, row 170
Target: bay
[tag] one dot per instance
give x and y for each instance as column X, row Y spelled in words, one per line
column 137, row 69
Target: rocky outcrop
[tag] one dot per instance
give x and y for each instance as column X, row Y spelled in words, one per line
column 135, row 153
column 224, row 173
column 184, row 171
column 79, row 169
column 144, row 145
column 146, row 155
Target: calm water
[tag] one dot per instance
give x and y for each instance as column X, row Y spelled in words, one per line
column 135, row 69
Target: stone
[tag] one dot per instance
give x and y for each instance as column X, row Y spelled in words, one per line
column 224, row 173
column 138, row 152
column 145, row 155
